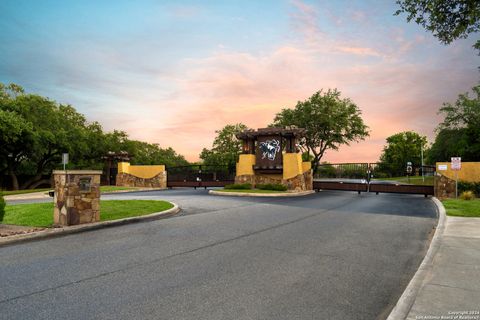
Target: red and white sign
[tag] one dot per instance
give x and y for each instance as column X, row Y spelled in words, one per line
column 456, row 163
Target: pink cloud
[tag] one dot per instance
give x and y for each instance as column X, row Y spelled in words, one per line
column 359, row 51
column 394, row 94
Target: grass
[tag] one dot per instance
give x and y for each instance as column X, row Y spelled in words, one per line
column 413, row 180
column 10, row 193
column 115, row 188
column 102, row 189
column 250, row 191
column 41, row 214
column 462, row 208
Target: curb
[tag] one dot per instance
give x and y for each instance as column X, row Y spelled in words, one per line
column 274, row 195
column 133, row 191
column 407, row 299
column 63, row 231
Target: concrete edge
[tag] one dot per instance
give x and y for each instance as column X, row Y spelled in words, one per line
column 274, row 195
column 132, row 191
column 407, row 299
column 59, row 232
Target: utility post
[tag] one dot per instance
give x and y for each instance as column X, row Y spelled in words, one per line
column 421, row 153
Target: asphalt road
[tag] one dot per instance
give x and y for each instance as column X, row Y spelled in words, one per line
column 331, row 255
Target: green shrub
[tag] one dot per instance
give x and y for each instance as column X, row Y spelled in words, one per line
column 237, row 186
column 469, row 186
column 2, row 207
column 467, row 195
column 272, row 186
column 326, row 170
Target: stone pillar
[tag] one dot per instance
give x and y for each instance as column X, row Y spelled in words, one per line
column 444, row 187
column 77, row 197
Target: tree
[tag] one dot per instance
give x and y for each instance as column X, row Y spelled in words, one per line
column 401, row 148
column 150, row 153
column 47, row 129
column 448, row 20
column 226, row 147
column 329, row 120
column 35, row 131
column 459, row 133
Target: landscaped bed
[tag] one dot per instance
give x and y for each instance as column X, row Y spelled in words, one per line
column 251, row 191
column 462, row 208
column 41, row 214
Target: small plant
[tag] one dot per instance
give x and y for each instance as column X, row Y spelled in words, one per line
column 467, row 195
column 2, row 207
column 272, row 186
column 239, row 186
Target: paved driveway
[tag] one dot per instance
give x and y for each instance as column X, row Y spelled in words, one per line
column 331, row 255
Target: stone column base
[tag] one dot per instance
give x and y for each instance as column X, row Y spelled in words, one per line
column 301, row 182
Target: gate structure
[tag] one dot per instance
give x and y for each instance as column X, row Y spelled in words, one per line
column 200, row 176
column 371, row 177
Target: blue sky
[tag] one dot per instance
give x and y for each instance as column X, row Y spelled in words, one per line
column 173, row 72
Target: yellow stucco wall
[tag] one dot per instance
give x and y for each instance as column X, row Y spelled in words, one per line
column 306, row 166
column 292, row 165
column 245, row 164
column 470, row 171
column 145, row 172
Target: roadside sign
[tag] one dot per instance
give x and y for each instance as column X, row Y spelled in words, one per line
column 64, row 159
column 442, row 167
column 456, row 163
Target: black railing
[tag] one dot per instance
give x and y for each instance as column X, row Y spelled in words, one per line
column 374, row 172
column 195, row 173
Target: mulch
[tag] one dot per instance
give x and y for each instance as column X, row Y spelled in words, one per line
column 10, row 230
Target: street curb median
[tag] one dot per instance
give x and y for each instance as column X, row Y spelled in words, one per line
column 406, row 301
column 274, row 195
column 63, row 231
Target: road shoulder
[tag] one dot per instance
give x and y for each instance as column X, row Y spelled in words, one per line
column 56, row 232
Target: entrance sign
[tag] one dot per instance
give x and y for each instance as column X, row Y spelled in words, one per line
column 269, row 155
column 270, row 148
column 456, row 163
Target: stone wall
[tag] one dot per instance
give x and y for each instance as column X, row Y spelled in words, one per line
column 444, row 187
column 77, row 197
column 301, row 182
column 128, row 180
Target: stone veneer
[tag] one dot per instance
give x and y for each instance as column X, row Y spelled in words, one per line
column 301, row 182
column 444, row 187
column 77, row 197
column 128, row 180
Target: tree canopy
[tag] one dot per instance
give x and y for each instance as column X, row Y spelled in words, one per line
column 459, row 133
column 35, row 131
column 448, row 20
column 226, row 147
column 401, row 148
column 330, row 121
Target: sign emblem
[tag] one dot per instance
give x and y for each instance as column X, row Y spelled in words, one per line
column 269, row 149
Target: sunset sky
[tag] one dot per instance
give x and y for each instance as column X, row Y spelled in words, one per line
column 173, row 72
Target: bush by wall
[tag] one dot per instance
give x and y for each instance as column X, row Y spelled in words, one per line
column 2, row 207
column 239, row 186
column 467, row 195
column 272, row 186
column 469, row 186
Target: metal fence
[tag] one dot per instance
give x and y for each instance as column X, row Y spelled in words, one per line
column 200, row 176
column 366, row 172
